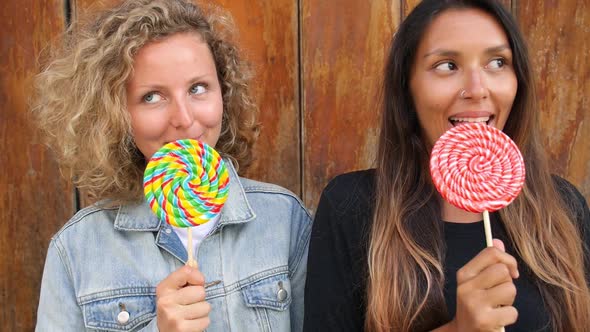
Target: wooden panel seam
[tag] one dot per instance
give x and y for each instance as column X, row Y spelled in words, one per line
column 300, row 100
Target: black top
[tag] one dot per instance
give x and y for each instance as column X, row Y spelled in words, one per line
column 337, row 263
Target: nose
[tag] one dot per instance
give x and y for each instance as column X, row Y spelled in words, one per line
column 180, row 114
column 475, row 85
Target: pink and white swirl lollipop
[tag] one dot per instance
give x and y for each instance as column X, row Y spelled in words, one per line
column 477, row 168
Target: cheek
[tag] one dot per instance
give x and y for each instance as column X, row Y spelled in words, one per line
column 211, row 114
column 505, row 93
column 508, row 94
column 213, row 118
column 432, row 95
column 148, row 127
column 148, row 124
column 432, row 105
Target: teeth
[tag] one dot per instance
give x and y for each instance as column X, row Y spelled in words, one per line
column 482, row 119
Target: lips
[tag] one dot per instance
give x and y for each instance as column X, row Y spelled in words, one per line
column 198, row 138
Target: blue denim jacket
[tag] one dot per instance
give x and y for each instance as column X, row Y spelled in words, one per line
column 108, row 260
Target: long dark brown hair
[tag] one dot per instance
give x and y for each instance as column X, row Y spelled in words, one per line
column 406, row 248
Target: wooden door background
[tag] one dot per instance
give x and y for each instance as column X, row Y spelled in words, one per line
column 318, row 65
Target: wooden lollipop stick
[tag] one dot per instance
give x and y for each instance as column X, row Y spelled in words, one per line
column 489, row 243
column 189, row 249
column 487, row 228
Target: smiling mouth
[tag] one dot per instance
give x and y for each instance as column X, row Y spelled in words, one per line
column 457, row 121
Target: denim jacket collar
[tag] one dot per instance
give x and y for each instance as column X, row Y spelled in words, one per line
column 139, row 217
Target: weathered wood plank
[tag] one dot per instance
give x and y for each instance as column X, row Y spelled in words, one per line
column 343, row 49
column 268, row 38
column 408, row 5
column 35, row 200
column 558, row 33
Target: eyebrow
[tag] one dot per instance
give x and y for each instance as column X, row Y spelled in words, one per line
column 195, row 79
column 443, row 52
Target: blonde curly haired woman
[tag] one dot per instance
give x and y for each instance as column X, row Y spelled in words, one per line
column 138, row 76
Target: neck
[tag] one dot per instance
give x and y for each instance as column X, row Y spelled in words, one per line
column 454, row 214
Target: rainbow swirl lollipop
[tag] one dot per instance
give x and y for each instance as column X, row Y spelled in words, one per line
column 186, row 183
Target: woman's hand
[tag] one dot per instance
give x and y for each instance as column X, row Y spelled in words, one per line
column 181, row 302
column 485, row 291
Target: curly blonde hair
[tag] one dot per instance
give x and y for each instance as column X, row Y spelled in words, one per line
column 80, row 101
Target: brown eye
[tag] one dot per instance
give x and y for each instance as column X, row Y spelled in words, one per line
column 446, row 66
column 496, row 63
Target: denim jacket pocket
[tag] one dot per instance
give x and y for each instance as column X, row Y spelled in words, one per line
column 271, row 293
column 128, row 312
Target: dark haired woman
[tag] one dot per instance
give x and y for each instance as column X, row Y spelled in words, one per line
column 387, row 253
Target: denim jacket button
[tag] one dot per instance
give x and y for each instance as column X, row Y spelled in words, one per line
column 282, row 293
column 123, row 317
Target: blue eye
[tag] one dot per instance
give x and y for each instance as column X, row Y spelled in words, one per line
column 152, row 97
column 496, row 63
column 198, row 89
column 446, row 66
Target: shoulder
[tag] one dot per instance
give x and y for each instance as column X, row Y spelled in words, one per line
column 253, row 186
column 346, row 208
column 576, row 203
column 89, row 217
column 352, row 192
column 80, row 234
column 571, row 196
column 272, row 195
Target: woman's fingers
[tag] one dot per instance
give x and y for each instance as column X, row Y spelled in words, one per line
column 491, row 276
column 501, row 295
column 499, row 244
column 176, row 280
column 190, row 294
column 487, row 257
column 486, row 292
column 196, row 310
column 181, row 302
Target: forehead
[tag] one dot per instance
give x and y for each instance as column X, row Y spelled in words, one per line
column 172, row 58
column 462, row 28
column 188, row 42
